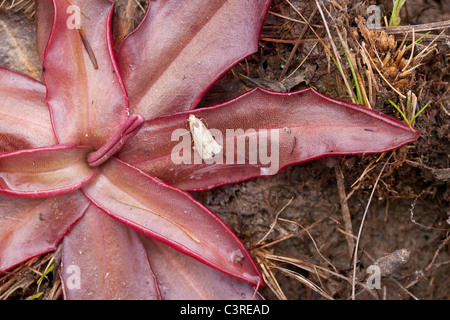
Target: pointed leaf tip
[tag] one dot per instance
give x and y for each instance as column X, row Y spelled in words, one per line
column 282, row 128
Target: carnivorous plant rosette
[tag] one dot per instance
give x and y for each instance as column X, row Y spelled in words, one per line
column 86, row 159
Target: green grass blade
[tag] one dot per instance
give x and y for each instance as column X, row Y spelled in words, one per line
column 35, row 296
column 46, row 272
column 400, row 111
column 420, row 111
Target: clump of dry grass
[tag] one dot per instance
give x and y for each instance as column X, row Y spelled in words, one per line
column 26, row 6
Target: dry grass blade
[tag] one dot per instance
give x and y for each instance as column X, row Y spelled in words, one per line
column 368, row 168
column 298, row 263
column 428, row 48
column 320, row 272
column 355, row 255
column 26, row 6
column 418, row 27
column 336, row 53
column 274, row 222
column 269, row 278
column 294, row 49
column 312, row 29
column 344, row 209
column 289, row 235
column 140, row 6
column 305, row 281
column 383, row 77
column 266, row 260
column 301, row 63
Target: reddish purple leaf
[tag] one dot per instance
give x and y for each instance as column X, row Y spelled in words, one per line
column 104, row 259
column 24, row 116
column 182, row 47
column 302, row 126
column 171, row 216
column 85, row 94
column 46, row 171
column 181, row 277
column 30, row 227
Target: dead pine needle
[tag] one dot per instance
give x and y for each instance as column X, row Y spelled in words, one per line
column 344, row 209
column 294, row 49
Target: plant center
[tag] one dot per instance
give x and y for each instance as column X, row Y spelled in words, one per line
column 128, row 130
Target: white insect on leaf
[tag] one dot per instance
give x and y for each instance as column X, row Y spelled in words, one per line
column 204, row 142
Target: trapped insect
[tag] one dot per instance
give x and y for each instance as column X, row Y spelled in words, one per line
column 204, row 142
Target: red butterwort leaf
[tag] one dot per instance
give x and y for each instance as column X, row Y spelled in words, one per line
column 104, row 259
column 30, row 227
column 85, row 94
column 181, row 277
column 294, row 127
column 24, row 116
column 46, row 171
column 192, row 44
column 171, row 216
